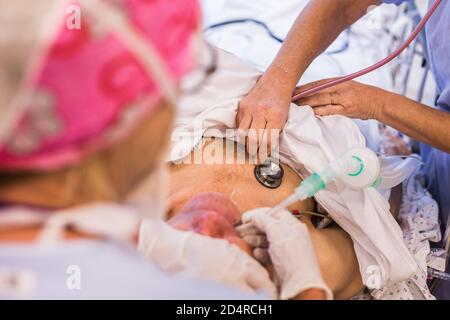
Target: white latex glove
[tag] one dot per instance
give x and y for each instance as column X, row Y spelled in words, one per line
column 196, row 256
column 290, row 250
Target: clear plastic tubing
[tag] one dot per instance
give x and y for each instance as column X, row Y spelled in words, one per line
column 307, row 189
column 377, row 65
column 358, row 168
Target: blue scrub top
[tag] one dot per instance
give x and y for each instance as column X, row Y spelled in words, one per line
column 103, row 270
column 437, row 30
column 437, row 163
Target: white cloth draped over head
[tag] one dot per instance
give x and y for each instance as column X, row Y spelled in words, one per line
column 23, row 26
column 310, row 143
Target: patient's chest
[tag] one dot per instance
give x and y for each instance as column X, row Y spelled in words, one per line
column 237, row 181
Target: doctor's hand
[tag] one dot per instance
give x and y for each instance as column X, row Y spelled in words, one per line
column 351, row 99
column 290, row 250
column 195, row 256
column 266, row 107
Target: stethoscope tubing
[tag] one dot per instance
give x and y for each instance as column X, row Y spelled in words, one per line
column 377, row 65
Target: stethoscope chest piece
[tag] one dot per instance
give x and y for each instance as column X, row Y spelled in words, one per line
column 270, row 174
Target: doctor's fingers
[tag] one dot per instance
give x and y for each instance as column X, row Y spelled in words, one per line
column 256, row 241
column 252, row 235
column 246, row 229
column 243, row 120
column 331, row 110
column 271, row 138
column 265, row 223
column 311, row 85
column 323, row 98
column 255, row 134
column 243, row 123
column 278, row 227
column 263, row 256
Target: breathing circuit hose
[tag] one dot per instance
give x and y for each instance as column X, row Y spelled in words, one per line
column 377, row 65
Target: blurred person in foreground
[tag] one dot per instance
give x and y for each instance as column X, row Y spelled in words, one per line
column 85, row 118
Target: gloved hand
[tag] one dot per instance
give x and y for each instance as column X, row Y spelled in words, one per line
column 290, row 250
column 196, row 256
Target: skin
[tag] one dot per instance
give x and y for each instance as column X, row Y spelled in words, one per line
column 320, row 23
column 333, row 246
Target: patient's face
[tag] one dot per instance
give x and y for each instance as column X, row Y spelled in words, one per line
column 236, row 181
column 210, row 198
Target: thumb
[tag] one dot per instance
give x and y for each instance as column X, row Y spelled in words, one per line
column 268, row 225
